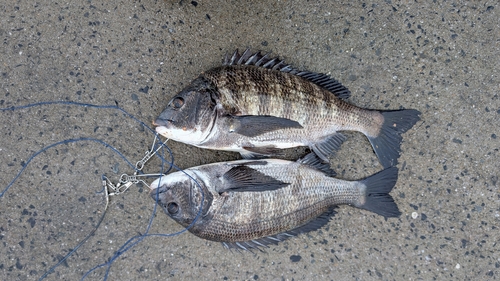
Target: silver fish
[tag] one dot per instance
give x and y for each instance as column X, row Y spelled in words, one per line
column 256, row 106
column 253, row 203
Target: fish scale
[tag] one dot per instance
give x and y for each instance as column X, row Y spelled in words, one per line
column 257, row 200
column 271, row 88
column 257, row 106
column 278, row 102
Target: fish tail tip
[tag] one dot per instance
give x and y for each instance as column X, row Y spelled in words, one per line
column 387, row 145
column 377, row 197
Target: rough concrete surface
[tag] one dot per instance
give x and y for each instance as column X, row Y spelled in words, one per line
column 440, row 57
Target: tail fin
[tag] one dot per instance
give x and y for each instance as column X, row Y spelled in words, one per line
column 377, row 198
column 387, row 145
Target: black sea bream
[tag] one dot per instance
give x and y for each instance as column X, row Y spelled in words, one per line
column 252, row 203
column 256, row 106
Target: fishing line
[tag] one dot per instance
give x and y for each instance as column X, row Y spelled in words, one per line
column 136, row 239
column 67, row 141
column 13, row 108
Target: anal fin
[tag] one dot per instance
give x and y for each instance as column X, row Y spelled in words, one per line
column 312, row 225
column 328, row 146
column 315, row 162
column 264, row 242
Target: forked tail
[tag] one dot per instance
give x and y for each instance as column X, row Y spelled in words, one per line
column 387, row 145
column 377, row 197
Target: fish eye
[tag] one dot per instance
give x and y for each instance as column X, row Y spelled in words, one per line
column 172, row 208
column 178, row 102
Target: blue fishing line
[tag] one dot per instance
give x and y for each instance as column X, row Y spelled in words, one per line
column 59, row 143
column 12, row 108
column 102, row 217
column 136, row 239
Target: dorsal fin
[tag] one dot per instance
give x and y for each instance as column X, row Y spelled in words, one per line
column 257, row 59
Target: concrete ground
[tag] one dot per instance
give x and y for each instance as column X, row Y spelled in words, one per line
column 439, row 58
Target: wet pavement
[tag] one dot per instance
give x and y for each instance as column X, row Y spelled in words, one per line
column 441, row 59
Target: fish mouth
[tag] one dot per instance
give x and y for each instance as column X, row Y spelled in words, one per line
column 162, row 192
column 157, row 188
column 162, row 126
column 155, row 184
column 162, row 122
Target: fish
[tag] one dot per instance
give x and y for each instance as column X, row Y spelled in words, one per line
column 257, row 106
column 253, row 203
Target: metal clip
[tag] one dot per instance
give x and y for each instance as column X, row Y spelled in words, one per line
column 126, row 180
column 135, row 179
column 148, row 154
column 115, row 189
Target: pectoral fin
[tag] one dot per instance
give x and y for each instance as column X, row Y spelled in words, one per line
column 244, row 179
column 254, row 125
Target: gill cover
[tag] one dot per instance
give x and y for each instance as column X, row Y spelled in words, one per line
column 181, row 198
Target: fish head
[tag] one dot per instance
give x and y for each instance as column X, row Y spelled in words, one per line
column 189, row 115
column 181, row 197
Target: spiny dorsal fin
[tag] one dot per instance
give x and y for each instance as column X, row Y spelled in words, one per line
column 257, row 59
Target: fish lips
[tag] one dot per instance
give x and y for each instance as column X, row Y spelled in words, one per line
column 160, row 122
column 186, row 133
column 164, row 127
column 162, row 195
column 160, row 188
